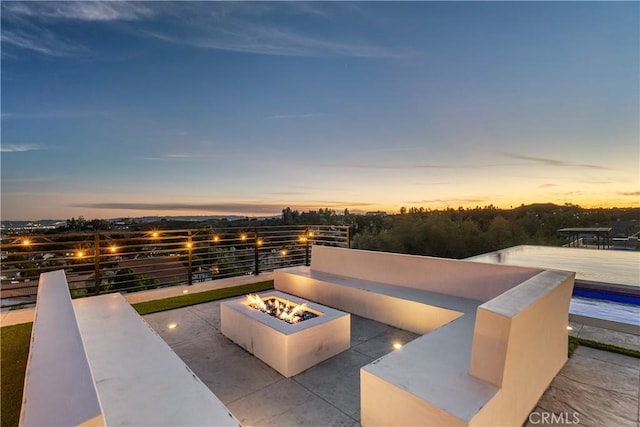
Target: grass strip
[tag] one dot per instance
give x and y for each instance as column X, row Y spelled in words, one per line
column 148, row 307
column 14, row 351
column 602, row 346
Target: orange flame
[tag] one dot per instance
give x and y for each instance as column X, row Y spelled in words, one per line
column 291, row 313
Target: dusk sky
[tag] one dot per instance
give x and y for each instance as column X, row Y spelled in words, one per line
column 213, row 108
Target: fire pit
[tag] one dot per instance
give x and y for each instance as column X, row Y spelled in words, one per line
column 284, row 331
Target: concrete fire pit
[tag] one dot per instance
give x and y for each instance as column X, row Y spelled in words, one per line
column 287, row 348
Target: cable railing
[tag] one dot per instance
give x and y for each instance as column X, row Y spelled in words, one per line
column 128, row 261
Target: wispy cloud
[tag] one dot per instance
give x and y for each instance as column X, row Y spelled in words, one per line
column 175, row 157
column 41, row 179
column 41, row 41
column 548, row 185
column 248, row 207
column 274, row 41
column 404, row 166
column 296, row 116
column 449, row 201
column 20, row 148
column 552, row 162
column 79, row 10
column 630, row 193
column 26, row 25
column 53, row 115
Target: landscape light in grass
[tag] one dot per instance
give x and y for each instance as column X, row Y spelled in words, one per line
column 172, row 325
column 283, row 310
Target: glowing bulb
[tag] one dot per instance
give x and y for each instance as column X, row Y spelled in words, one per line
column 189, row 244
column 243, row 237
column 26, row 242
column 397, row 346
column 216, row 238
column 154, row 234
column 569, row 328
column 80, row 254
column 172, row 325
column 113, row 249
column 283, row 252
column 186, row 291
column 259, row 242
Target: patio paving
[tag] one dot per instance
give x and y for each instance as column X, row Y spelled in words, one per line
column 326, row 394
column 602, row 388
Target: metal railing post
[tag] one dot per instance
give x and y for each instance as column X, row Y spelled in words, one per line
column 190, row 251
column 96, row 261
column 256, row 246
column 348, row 238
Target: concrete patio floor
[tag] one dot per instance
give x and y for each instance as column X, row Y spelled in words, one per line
column 601, row 387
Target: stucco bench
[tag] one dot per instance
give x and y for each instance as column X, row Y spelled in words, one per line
column 130, row 376
column 495, row 337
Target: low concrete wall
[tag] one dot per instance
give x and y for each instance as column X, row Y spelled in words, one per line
column 520, row 344
column 447, row 276
column 59, row 387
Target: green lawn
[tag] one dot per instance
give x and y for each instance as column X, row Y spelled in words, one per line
column 14, row 350
column 200, row 297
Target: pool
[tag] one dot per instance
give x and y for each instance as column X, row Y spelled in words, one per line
column 605, row 309
column 607, row 281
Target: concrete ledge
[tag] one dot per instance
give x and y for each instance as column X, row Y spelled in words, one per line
column 59, row 387
column 139, row 379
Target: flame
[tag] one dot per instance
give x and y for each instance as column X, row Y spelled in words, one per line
column 290, row 313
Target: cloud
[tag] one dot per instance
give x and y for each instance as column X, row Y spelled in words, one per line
column 43, row 179
column 79, row 10
column 450, row 201
column 20, row 148
column 548, row 185
column 552, row 162
column 42, row 41
column 175, row 156
column 400, row 166
column 53, row 115
column 630, row 193
column 296, row 116
column 246, row 37
column 253, row 208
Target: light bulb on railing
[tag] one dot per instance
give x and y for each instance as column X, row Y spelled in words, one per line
column 26, row 242
column 113, row 249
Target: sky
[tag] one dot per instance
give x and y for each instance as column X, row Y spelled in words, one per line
column 125, row 109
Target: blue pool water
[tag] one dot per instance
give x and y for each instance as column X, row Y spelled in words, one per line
column 605, row 309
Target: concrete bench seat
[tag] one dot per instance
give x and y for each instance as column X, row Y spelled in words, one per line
column 495, row 338
column 411, row 309
column 130, row 374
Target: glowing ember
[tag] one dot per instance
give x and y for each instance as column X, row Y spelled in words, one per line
column 287, row 311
